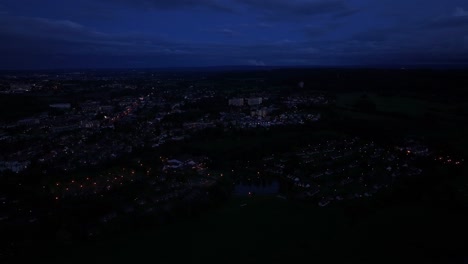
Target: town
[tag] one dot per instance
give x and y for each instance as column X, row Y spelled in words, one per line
column 140, row 148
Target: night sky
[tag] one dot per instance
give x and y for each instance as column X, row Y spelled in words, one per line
column 172, row 33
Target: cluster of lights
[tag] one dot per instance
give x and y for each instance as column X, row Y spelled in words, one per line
column 109, row 180
column 448, row 160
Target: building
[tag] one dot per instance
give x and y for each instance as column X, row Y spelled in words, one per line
column 65, row 128
column 236, row 101
column 14, row 166
column 107, row 109
column 90, row 124
column 63, row 106
column 260, row 112
column 28, row 122
column 198, row 125
column 90, row 106
column 255, row 101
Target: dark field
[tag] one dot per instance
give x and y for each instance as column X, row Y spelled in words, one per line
column 272, row 230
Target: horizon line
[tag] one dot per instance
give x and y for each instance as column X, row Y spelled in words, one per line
column 259, row 67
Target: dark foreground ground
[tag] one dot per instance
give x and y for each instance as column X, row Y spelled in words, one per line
column 274, row 230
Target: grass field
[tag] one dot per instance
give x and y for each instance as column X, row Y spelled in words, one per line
column 436, row 122
column 411, row 107
column 13, row 107
column 272, row 230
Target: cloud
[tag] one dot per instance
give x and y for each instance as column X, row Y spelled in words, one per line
column 256, row 63
column 41, row 42
column 297, row 7
column 346, row 13
column 3, row 10
column 265, row 25
column 222, row 31
column 42, row 28
column 320, row 29
column 376, row 35
column 309, row 50
column 284, row 42
column 40, row 36
column 271, row 9
column 225, row 31
column 451, row 22
column 459, row 18
column 438, row 40
column 217, row 5
column 460, row 12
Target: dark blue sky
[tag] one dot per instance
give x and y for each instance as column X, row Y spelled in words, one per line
column 160, row 33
